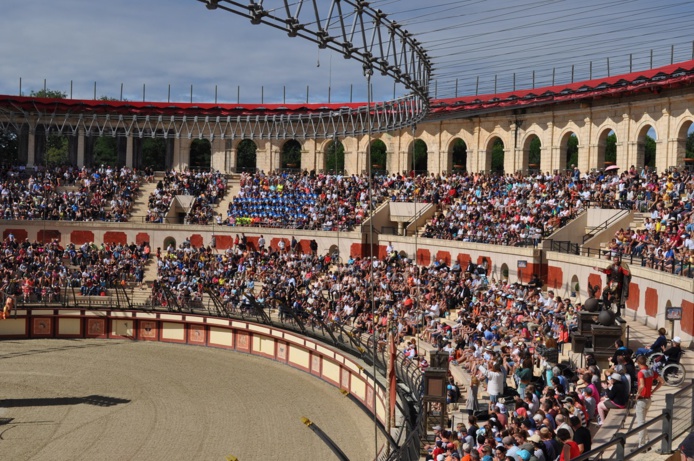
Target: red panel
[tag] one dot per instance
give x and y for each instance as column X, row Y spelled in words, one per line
column 96, row 328
column 196, row 241
column 274, row 243
column 19, row 234
column 197, row 334
column 464, row 259
column 41, row 327
column 142, row 237
column 687, row 322
column 526, row 274
column 595, row 279
column 444, row 256
column 305, row 246
column 243, row 341
column 148, row 330
column 252, row 243
column 651, row 302
column 555, row 277
column 224, row 242
column 116, row 237
column 423, row 257
column 356, row 250
column 78, row 237
column 634, row 300
column 45, row 236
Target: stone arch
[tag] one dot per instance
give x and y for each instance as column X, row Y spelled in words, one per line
column 457, row 155
column 246, row 156
column 646, row 147
column 575, row 286
column 418, row 157
column 169, row 241
column 156, row 153
column 200, row 154
column 504, row 272
column 377, row 155
column 568, row 150
column 532, row 153
column 334, row 152
column 607, row 147
column 683, row 155
column 52, row 148
column 290, row 156
column 495, row 155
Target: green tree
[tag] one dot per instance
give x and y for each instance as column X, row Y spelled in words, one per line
column 105, row 151
column 649, row 152
column 459, row 155
column 246, row 157
column 291, row 154
column 377, row 153
column 55, row 94
column 611, row 148
column 498, row 156
column 335, row 157
column 421, row 157
column 9, row 147
column 154, row 153
column 690, row 145
column 56, row 150
column 572, row 151
column 535, row 152
column 200, row 154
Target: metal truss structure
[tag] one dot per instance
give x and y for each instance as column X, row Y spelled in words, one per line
column 350, row 27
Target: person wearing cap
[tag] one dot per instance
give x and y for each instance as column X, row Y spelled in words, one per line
column 617, row 396
column 674, row 352
column 646, row 377
column 589, row 403
column 686, row 448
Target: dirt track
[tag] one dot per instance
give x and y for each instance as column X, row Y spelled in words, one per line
column 157, row 401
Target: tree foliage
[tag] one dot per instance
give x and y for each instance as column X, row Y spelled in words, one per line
column 291, row 154
column 535, row 152
column 421, row 157
column 611, row 148
column 377, row 153
column 105, row 151
column 498, row 156
column 690, row 145
column 459, row 155
column 335, row 157
column 572, row 151
column 200, row 154
column 649, row 152
column 246, row 157
column 154, row 153
column 47, row 93
column 9, row 147
column 56, row 150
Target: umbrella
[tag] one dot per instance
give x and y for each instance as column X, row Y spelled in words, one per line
column 612, row 168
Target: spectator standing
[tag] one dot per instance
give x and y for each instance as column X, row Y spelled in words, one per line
column 645, row 390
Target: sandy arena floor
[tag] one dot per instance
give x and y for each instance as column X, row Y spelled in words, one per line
column 122, row 400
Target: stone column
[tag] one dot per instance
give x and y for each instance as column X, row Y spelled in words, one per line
column 128, row 151
column 31, row 150
column 80, row 147
column 181, row 153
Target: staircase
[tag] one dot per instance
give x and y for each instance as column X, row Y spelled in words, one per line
column 138, row 213
column 233, row 187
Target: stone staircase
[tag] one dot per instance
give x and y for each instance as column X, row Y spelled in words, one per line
column 141, row 203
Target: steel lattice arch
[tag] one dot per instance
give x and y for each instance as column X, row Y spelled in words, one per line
column 349, row 27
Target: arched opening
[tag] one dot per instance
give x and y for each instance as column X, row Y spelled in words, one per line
column 646, row 147
column 334, row 157
column 290, row 158
column 52, row 149
column 607, row 148
column 685, row 145
column 246, row 156
column 504, row 272
column 9, row 147
column 377, row 156
column 532, row 154
column 495, row 156
column 200, row 154
column 569, row 152
column 169, row 242
column 575, row 287
column 154, row 153
column 418, row 157
column 457, row 155
column 105, row 151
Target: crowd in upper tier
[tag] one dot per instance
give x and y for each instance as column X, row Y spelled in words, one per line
column 68, row 193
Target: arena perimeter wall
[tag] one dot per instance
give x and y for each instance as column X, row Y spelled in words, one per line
column 651, row 291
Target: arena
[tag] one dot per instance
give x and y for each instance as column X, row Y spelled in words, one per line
column 411, row 253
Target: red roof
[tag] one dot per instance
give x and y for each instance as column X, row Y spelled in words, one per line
column 680, row 74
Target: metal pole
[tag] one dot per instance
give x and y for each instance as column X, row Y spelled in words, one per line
column 143, row 93
column 495, row 80
column 351, row 87
column 572, row 73
column 514, row 81
column 262, row 94
column 651, row 58
column 329, row 90
column 554, row 73
column 284, row 94
column 44, row 88
column 95, row 91
column 168, row 98
column 20, row 78
column 672, row 54
column 619, row 448
column 477, row 86
column 306, row 94
column 215, row 101
column 70, row 89
column 191, row 93
column 238, row 94
column 533, row 79
column 590, row 72
column 456, row 87
column 608, row 66
column 666, row 444
column 631, row 62
column 121, row 91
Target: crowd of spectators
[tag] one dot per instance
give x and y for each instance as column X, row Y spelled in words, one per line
column 68, row 193
column 303, row 201
column 207, row 188
column 40, row 272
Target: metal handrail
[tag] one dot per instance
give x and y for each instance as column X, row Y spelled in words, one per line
column 602, row 226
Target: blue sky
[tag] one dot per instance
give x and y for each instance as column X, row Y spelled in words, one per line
column 158, row 43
